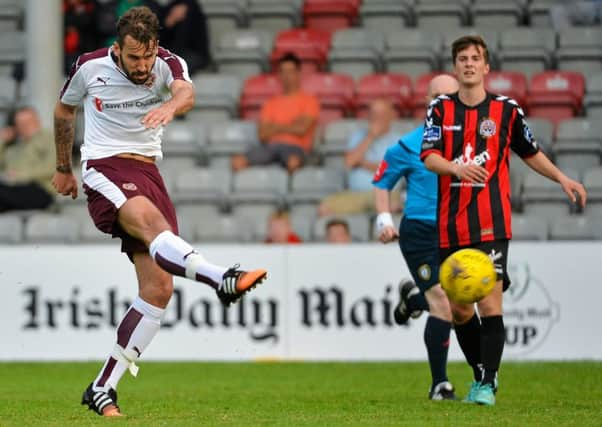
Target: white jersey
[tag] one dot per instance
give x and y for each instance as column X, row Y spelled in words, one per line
column 114, row 106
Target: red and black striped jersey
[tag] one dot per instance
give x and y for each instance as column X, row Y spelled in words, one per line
column 483, row 135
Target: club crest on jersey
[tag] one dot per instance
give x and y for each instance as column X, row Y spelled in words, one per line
column 150, row 81
column 424, row 271
column 432, row 133
column 487, row 128
column 130, row 186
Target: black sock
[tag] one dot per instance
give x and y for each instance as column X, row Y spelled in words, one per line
column 492, row 346
column 418, row 302
column 436, row 338
column 469, row 338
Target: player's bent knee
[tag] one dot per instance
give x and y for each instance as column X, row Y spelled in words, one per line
column 438, row 303
column 491, row 305
column 462, row 313
column 158, row 293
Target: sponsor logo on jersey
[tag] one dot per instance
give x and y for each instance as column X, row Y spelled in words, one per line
column 432, row 133
column 487, row 128
column 98, row 104
column 452, row 128
column 469, row 158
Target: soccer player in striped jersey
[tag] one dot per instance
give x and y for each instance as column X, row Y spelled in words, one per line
column 129, row 92
column 418, row 241
column 467, row 141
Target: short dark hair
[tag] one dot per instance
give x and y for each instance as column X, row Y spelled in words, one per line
column 465, row 42
column 290, row 57
column 338, row 221
column 140, row 23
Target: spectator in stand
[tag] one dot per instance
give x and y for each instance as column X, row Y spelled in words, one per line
column 568, row 14
column 286, row 125
column 184, row 32
column 337, row 231
column 365, row 148
column 80, row 29
column 280, row 229
column 27, row 161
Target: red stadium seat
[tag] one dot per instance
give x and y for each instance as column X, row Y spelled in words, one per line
column 311, row 46
column 556, row 95
column 255, row 92
column 396, row 87
column 418, row 100
column 512, row 84
column 334, row 91
column 330, row 15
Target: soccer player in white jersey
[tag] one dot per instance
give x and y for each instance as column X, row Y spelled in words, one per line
column 130, row 91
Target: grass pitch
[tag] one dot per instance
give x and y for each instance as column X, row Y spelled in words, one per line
column 300, row 394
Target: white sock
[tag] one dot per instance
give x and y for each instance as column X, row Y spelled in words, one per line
column 135, row 332
column 177, row 257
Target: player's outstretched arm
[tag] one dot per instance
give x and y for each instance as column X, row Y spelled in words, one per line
column 543, row 166
column 182, row 100
column 471, row 173
column 63, row 180
column 384, row 221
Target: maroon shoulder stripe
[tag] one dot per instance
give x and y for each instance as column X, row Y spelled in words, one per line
column 172, row 61
column 81, row 60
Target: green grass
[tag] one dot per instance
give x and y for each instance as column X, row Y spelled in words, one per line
column 300, row 394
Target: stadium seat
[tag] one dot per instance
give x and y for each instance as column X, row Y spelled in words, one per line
column 88, row 233
column 512, row 84
column 255, row 92
column 75, row 211
column 538, row 12
column 529, row 227
column 359, row 226
column 337, row 133
column 11, row 15
column 434, row 15
column 51, row 228
column 527, row 50
column 223, row 229
column 259, row 184
column 497, row 14
column 256, row 217
column 217, row 95
column 11, row 228
column 580, row 49
column 593, row 96
column 356, row 52
column 231, row 137
column 592, row 180
column 191, row 214
column 301, row 223
column 12, row 50
column 490, row 35
column 578, row 144
column 244, row 52
column 555, row 95
column 518, row 170
column 419, row 95
column 312, row 184
column 209, row 185
column 412, row 51
column 334, row 91
column 8, row 93
column 224, row 16
column 310, row 45
column 185, row 141
column 571, row 228
column 274, row 15
column 330, row 15
column 403, row 126
column 395, row 87
column 386, row 15
column 543, row 131
column 544, row 197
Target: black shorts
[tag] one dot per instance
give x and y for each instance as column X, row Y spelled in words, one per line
column 275, row 152
column 497, row 251
column 419, row 243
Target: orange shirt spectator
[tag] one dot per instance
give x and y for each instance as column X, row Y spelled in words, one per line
column 285, row 110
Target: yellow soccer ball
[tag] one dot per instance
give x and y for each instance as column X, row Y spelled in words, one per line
column 467, row 276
